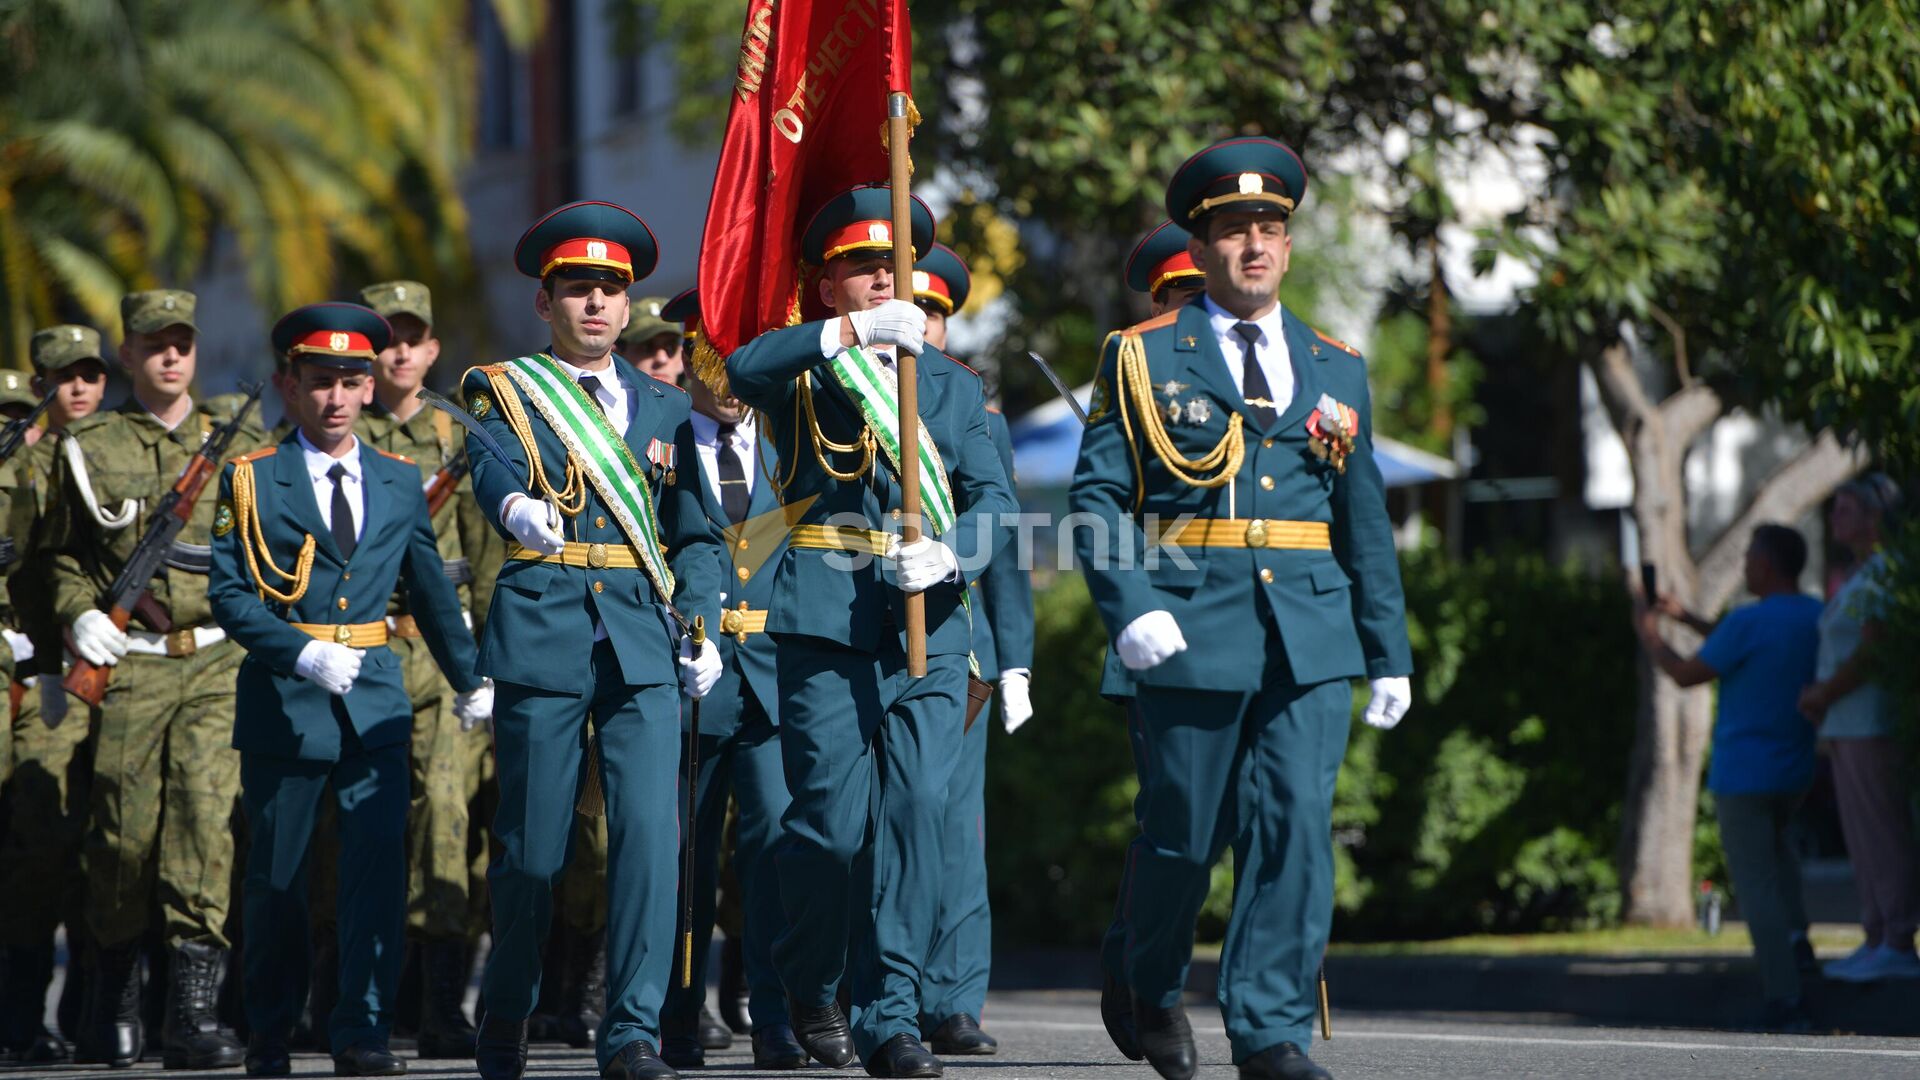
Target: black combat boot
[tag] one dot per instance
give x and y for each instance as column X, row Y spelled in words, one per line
column 733, row 986
column 444, row 972
column 25, row 971
column 323, row 982
column 110, row 1032
column 191, row 1030
column 584, row 997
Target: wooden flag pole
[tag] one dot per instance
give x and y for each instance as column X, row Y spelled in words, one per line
column 900, row 167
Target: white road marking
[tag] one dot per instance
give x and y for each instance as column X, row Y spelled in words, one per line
column 1516, row 1040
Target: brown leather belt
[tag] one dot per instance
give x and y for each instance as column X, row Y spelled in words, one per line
column 366, row 635
column 403, row 626
column 1248, row 533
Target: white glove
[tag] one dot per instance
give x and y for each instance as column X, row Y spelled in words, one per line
column 329, row 663
column 1149, row 640
column 97, row 640
column 921, row 565
column 21, row 644
column 899, row 323
column 53, row 701
column 1391, row 699
column 1016, row 707
column 698, row 674
column 532, row 522
column 475, row 706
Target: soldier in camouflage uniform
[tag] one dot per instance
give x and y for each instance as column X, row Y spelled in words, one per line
column 45, row 799
column 442, row 916
column 159, row 828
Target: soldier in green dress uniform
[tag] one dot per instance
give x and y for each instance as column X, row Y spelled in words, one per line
column 1233, row 411
column 310, row 538
column 868, row 749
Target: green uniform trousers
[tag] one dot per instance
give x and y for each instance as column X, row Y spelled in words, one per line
column 165, row 779
column 745, row 765
column 540, row 748
column 961, row 958
column 1255, row 770
column 283, row 798
column 868, row 753
column 45, row 815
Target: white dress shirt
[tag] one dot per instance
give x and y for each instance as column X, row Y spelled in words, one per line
column 319, row 463
column 613, row 395
column 1271, row 350
column 706, row 440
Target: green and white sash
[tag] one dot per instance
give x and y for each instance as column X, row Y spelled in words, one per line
column 603, row 454
column 874, row 387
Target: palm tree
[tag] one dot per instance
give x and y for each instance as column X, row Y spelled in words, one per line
column 133, row 131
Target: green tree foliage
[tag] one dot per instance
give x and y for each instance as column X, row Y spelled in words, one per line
column 316, row 132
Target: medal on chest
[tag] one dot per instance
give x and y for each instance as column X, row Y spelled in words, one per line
column 1330, row 431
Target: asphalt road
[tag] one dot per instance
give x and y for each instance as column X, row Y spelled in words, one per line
column 1058, row 1034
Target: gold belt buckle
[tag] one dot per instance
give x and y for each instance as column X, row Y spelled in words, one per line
column 343, row 634
column 735, row 623
column 180, row 643
column 1257, row 533
column 597, row 556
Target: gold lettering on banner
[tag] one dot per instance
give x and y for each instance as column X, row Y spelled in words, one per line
column 754, row 45
column 840, row 44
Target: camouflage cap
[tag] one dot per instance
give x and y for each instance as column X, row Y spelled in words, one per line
column 56, row 348
column 391, row 298
column 16, row 388
column 157, row 309
column 648, row 321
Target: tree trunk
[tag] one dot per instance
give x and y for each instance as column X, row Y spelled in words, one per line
column 1672, row 729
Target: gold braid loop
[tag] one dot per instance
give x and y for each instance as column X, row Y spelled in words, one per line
column 823, row 445
column 1136, row 387
column 253, row 543
column 573, row 498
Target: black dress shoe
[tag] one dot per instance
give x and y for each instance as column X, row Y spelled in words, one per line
column 268, row 1057
column 775, row 1048
column 733, row 986
column 714, row 1035
column 961, row 1036
column 500, row 1048
column 824, row 1033
column 903, row 1056
column 637, row 1061
column 1116, row 1011
column 1166, row 1039
column 368, row 1059
column 683, row 1052
column 1284, row 1062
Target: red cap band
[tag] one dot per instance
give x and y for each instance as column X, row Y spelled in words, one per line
column 1180, row 265
column 859, row 236
column 587, row 251
column 932, row 287
column 334, row 343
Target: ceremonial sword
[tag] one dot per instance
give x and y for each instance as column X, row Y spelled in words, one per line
column 1054, row 378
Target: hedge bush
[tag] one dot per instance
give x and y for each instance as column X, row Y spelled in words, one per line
column 1494, row 807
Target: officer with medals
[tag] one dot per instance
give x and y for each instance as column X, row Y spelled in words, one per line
column 443, row 915
column 953, row 988
column 868, row 750
column 739, row 751
column 310, row 538
column 1233, row 411
column 1162, row 268
column 159, row 833
column 612, row 547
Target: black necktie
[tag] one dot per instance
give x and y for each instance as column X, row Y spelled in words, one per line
column 1253, row 380
column 734, row 496
column 591, row 384
column 342, row 512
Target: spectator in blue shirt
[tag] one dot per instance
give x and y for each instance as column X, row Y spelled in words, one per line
column 1762, row 761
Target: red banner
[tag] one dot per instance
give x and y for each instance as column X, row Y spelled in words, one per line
column 808, row 121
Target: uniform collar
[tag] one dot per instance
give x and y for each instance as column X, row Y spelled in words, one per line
column 1271, row 325
column 706, row 430
column 319, row 463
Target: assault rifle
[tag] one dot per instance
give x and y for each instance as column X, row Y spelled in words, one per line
column 88, row 682
column 15, row 435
